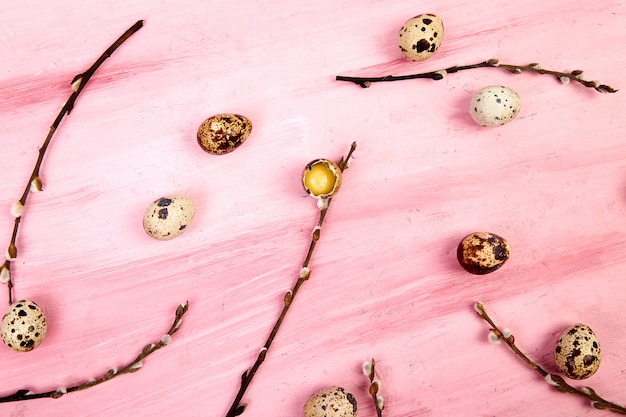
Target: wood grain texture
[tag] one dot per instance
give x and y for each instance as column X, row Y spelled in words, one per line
column 385, row 280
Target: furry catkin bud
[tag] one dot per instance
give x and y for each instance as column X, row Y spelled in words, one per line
column 5, row 274
column 17, row 208
column 367, row 368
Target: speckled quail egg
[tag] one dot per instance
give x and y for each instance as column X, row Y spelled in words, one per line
column 482, row 252
column 577, row 352
column 223, row 133
column 494, row 105
column 420, row 36
column 168, row 217
column 23, row 326
column 331, row 402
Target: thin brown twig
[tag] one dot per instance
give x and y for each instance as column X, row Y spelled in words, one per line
column 133, row 366
column 563, row 77
column 237, row 408
column 34, row 183
column 554, row 380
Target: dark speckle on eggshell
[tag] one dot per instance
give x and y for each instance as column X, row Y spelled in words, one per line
column 164, row 202
column 422, row 45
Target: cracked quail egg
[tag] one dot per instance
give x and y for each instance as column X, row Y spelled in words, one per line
column 577, row 352
column 420, row 37
column 321, row 178
column 23, row 326
column 331, row 402
column 168, row 217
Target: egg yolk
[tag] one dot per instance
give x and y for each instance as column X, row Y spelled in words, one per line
column 319, row 179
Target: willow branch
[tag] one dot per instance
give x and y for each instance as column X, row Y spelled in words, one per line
column 34, row 183
column 132, row 367
column 552, row 379
column 369, row 369
column 237, row 408
column 563, row 77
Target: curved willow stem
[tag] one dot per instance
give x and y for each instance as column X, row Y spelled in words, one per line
column 34, row 183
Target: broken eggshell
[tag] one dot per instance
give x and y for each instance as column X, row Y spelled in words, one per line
column 168, row 217
column 321, row 178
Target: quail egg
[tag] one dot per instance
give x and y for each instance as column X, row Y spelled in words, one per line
column 331, row 402
column 494, row 105
column 168, row 217
column 577, row 352
column 223, row 133
column 420, row 36
column 482, row 252
column 23, row 326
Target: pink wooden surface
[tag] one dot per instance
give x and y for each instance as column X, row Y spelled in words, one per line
column 385, row 280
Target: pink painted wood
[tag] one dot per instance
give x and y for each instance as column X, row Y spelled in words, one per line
column 385, row 280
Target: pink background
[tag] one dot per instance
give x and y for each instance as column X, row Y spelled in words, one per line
column 385, row 281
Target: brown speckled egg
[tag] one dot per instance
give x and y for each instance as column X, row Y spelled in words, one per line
column 168, row 217
column 23, row 326
column 482, row 252
column 577, row 352
column 420, row 36
column 494, row 106
column 223, row 133
column 331, row 402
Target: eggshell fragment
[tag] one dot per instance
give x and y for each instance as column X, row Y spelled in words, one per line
column 482, row 252
column 420, row 37
column 577, row 352
column 494, row 105
column 168, row 217
column 331, row 402
column 223, row 133
column 24, row 326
